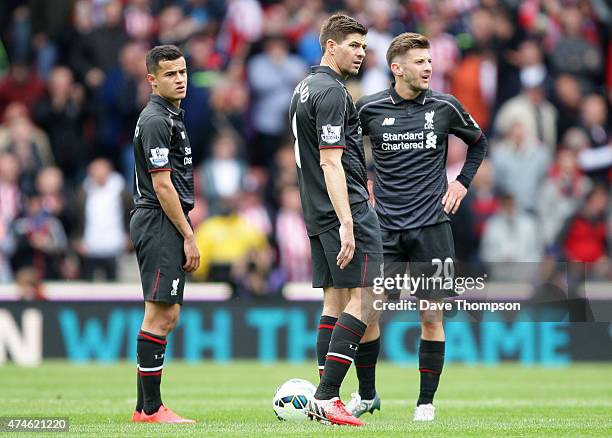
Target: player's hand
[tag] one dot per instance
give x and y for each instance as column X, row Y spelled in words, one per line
column 371, row 193
column 347, row 245
column 192, row 255
column 453, row 197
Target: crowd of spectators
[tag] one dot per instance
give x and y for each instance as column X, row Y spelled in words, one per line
column 536, row 75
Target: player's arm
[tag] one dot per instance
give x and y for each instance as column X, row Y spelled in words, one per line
column 335, row 181
column 330, row 113
column 370, row 183
column 363, row 121
column 170, row 203
column 156, row 136
column 466, row 128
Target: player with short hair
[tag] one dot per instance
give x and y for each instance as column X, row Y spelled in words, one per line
column 408, row 125
column 159, row 227
column 342, row 225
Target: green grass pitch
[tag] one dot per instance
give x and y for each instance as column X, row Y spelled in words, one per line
column 234, row 399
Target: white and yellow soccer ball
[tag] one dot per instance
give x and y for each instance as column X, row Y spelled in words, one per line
column 289, row 402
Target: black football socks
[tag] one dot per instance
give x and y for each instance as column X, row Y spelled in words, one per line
column 150, row 351
column 139, row 395
column 365, row 364
column 431, row 361
column 343, row 346
column 326, row 325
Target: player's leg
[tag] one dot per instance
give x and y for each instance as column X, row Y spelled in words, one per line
column 346, row 335
column 367, row 399
column 159, row 250
column 351, row 325
column 345, row 339
column 434, row 248
column 367, row 356
column 431, row 361
column 334, row 302
column 159, row 320
column 368, row 229
column 140, row 222
column 368, row 238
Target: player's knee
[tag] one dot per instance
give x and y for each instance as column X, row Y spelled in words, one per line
column 171, row 319
column 431, row 317
column 374, row 317
column 334, row 302
column 431, row 322
column 165, row 322
column 369, row 315
column 332, row 309
column 169, row 325
column 333, row 312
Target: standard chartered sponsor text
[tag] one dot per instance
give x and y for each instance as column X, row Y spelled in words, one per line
column 402, row 141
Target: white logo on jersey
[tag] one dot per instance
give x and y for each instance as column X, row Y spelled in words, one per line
column 296, row 144
column 430, row 140
column 429, row 122
column 302, row 90
column 175, row 284
column 331, row 134
column 183, row 135
column 388, row 121
column 159, row 156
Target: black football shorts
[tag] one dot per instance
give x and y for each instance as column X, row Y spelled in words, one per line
column 160, row 254
column 367, row 260
column 425, row 253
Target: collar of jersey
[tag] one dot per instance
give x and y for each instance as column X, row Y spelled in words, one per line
column 325, row 69
column 163, row 102
column 397, row 99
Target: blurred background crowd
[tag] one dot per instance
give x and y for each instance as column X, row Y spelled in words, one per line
column 535, row 74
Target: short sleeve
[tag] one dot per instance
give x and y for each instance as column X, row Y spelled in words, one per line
column 155, row 135
column 330, row 114
column 463, row 124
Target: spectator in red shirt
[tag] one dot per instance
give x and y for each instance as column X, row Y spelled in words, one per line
column 584, row 237
column 22, row 84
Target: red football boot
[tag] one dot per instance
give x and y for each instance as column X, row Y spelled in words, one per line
column 164, row 415
column 331, row 412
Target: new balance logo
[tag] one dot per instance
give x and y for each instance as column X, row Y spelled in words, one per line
column 388, row 121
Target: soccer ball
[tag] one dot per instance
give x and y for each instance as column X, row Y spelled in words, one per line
column 289, row 402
